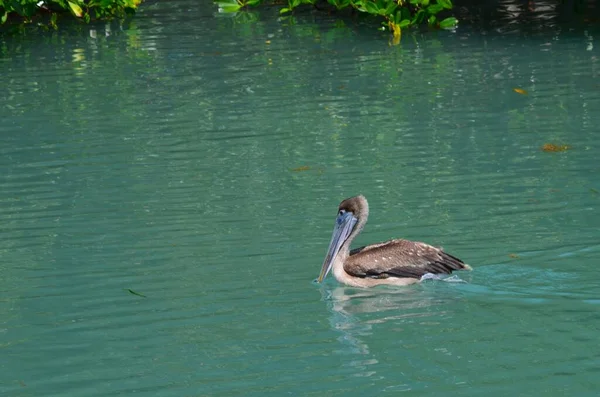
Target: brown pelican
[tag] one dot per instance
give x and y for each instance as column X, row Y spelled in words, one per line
column 394, row 262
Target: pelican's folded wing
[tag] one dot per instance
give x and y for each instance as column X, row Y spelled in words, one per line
column 401, row 258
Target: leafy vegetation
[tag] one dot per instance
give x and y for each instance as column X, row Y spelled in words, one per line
column 85, row 9
column 396, row 14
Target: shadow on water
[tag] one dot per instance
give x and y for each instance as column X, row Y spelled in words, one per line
column 521, row 16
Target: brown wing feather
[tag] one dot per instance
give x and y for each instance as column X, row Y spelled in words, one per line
column 401, row 258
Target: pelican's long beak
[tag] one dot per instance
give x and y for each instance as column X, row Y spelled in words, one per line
column 344, row 224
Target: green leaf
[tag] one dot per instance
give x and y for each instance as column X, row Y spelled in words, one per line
column 294, row 3
column 371, row 7
column 129, row 3
column 5, row 16
column 448, row 23
column 434, row 9
column 359, row 5
column 417, row 19
column 229, row 9
column 432, row 20
column 391, row 8
column 424, row 3
column 405, row 23
column 284, row 10
column 77, row 11
column 445, row 3
column 228, row 6
column 227, row 3
column 381, row 4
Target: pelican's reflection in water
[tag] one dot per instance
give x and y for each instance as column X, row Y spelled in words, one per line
column 355, row 313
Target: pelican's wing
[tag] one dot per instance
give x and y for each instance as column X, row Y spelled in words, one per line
column 401, row 258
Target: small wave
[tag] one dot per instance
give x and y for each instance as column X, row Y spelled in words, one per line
column 449, row 279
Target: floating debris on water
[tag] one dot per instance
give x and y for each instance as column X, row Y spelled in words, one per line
column 551, row 147
column 135, row 293
column 520, row 91
column 303, row 168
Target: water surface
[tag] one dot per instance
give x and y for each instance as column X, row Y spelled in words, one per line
column 198, row 160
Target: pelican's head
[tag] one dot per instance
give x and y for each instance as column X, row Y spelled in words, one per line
column 351, row 212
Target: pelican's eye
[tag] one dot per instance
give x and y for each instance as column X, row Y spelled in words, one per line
column 342, row 212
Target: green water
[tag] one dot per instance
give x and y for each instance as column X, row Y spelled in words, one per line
column 198, row 160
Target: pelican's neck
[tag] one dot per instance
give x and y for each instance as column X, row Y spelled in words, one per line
column 344, row 252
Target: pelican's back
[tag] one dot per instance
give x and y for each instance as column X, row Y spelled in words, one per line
column 401, row 258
